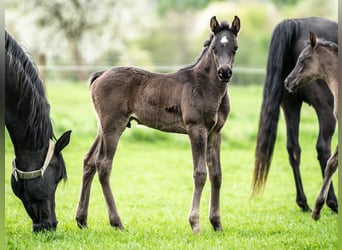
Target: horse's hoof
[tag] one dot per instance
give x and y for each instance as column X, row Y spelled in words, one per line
column 117, row 225
column 304, row 206
column 82, row 224
column 333, row 205
column 315, row 215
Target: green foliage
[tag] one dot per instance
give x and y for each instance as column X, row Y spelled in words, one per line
column 152, row 183
column 165, row 6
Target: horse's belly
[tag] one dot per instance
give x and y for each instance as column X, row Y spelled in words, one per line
column 162, row 121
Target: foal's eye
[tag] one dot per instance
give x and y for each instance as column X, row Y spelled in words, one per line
column 235, row 50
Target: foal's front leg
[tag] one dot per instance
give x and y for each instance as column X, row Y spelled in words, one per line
column 215, row 177
column 198, row 140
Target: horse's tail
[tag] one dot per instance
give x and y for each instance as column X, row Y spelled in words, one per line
column 281, row 42
column 94, row 76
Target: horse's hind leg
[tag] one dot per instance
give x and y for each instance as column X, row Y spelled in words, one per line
column 109, row 142
column 215, row 176
column 89, row 171
column 332, row 164
column 291, row 112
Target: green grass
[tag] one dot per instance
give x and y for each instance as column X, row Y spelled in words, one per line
column 152, row 184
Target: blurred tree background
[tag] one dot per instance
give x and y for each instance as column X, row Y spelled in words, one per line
column 79, row 36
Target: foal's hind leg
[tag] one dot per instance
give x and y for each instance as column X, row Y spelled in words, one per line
column 104, row 162
column 215, row 176
column 332, row 164
column 89, row 171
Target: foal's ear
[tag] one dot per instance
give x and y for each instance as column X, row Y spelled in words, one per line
column 236, row 25
column 312, row 40
column 214, row 25
column 63, row 141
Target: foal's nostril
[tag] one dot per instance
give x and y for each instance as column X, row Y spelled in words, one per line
column 224, row 73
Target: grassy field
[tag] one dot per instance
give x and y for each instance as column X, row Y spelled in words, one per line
column 152, row 184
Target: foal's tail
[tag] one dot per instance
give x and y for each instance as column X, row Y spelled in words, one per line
column 272, row 94
column 94, row 76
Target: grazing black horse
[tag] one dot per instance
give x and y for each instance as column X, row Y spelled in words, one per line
column 288, row 40
column 38, row 166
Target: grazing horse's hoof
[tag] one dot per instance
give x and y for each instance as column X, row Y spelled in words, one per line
column 304, row 206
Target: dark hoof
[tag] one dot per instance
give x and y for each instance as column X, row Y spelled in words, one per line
column 82, row 224
column 333, row 205
column 305, row 208
column 315, row 215
column 118, row 226
column 216, row 223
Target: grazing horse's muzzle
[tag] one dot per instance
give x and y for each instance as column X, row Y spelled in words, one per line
column 224, row 74
column 45, row 226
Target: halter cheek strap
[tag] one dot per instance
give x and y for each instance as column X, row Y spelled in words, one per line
column 18, row 174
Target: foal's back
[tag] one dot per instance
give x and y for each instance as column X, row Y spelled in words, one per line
column 152, row 99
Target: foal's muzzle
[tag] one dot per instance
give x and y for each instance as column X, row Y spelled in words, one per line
column 290, row 85
column 224, row 74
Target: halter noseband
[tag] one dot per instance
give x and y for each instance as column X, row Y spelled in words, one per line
column 36, row 173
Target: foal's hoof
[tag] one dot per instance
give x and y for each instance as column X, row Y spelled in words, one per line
column 118, row 226
column 82, row 224
column 195, row 228
column 315, row 215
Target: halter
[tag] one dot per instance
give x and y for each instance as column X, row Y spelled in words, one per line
column 36, row 173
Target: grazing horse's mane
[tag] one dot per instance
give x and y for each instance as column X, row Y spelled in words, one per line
column 32, row 106
column 224, row 26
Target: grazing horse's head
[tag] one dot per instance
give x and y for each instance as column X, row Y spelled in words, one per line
column 36, row 188
column 38, row 166
column 224, row 46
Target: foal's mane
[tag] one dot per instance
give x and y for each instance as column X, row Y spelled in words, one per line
column 32, row 107
column 328, row 44
column 223, row 26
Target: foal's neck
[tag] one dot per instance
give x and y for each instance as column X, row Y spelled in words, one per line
column 330, row 76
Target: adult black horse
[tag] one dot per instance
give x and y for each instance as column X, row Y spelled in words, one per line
column 38, row 166
column 288, row 40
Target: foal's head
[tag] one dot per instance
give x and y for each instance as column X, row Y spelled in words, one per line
column 311, row 62
column 224, row 46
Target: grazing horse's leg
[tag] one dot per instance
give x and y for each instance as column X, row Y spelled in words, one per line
column 292, row 113
column 332, row 164
column 215, row 176
column 326, row 130
column 198, row 139
column 89, row 171
column 109, row 142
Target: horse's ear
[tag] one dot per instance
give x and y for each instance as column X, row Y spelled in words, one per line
column 236, row 25
column 214, row 25
column 63, row 141
column 312, row 40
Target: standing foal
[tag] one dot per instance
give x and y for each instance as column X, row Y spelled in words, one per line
column 318, row 61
